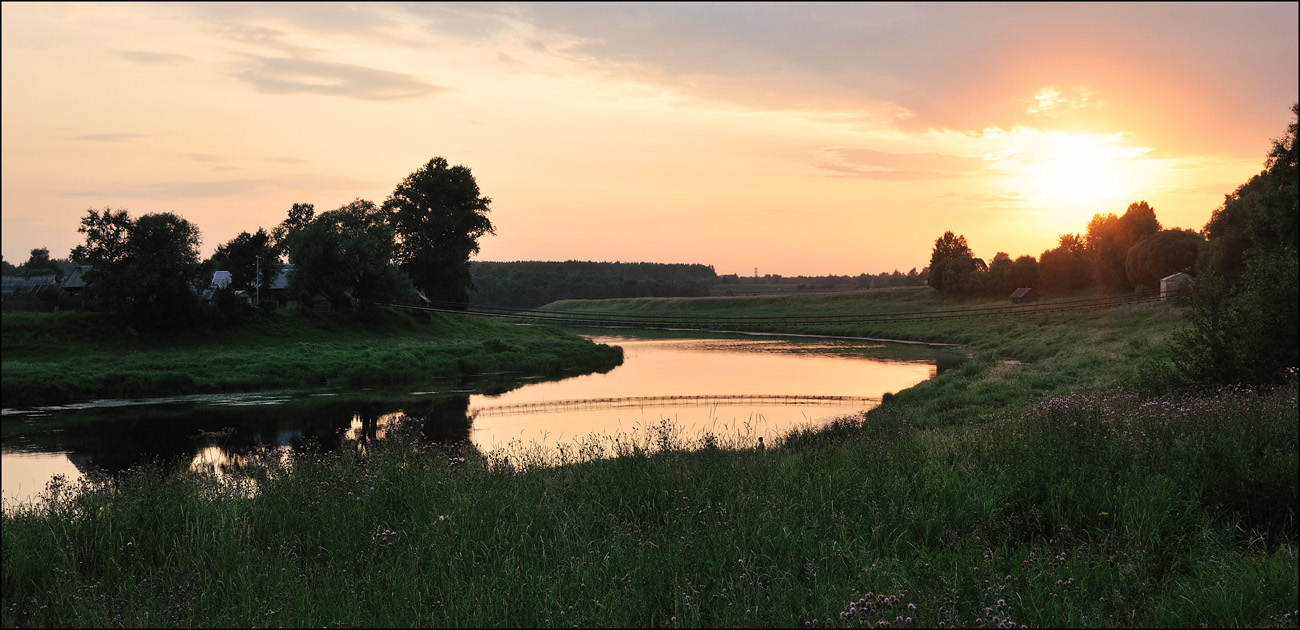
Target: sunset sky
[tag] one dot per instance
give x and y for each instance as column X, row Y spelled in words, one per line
column 801, row 139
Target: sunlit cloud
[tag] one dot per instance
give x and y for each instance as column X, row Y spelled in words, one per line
column 1051, row 102
column 272, row 75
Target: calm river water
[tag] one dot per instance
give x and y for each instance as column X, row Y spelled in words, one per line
column 732, row 387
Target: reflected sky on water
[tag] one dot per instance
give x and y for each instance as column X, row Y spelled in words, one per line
column 748, row 386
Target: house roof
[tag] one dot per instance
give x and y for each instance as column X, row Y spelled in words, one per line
column 1175, row 275
column 220, row 279
column 281, row 279
column 1022, row 292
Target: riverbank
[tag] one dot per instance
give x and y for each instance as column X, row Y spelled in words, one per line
column 55, row 358
column 1018, row 358
column 1046, row 493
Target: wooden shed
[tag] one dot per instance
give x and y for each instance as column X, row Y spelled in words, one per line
column 1024, row 295
column 1175, row 284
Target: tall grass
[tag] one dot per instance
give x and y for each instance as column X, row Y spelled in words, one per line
column 1083, row 510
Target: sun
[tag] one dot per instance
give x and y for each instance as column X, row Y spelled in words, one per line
column 1079, row 171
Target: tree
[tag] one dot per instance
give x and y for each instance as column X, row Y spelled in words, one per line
column 1065, row 266
column 347, row 251
column 245, row 256
column 1161, row 254
column 947, row 248
column 1244, row 321
column 438, row 217
column 144, row 271
column 300, row 215
column 39, row 263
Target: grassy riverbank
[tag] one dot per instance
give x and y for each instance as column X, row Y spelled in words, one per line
column 1018, row 359
column 52, row 358
column 1013, row 502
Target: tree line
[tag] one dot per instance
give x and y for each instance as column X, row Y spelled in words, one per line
column 1115, row 254
column 146, row 270
column 529, row 284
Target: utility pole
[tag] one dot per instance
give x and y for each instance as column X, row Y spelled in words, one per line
column 259, row 280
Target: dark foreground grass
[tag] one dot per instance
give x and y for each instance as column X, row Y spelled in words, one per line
column 1084, row 510
column 63, row 357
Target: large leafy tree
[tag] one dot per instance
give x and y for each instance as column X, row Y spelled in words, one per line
column 1245, row 323
column 438, row 216
column 947, row 248
column 143, row 271
column 1109, row 239
column 348, row 251
column 1161, row 254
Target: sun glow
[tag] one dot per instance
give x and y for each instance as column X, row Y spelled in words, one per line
column 1081, row 170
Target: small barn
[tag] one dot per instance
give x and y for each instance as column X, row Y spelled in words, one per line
column 1175, row 284
column 1024, row 295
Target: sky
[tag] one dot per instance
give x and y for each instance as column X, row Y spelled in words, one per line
column 792, row 139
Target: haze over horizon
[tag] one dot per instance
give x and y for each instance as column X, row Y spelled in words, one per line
column 801, row 139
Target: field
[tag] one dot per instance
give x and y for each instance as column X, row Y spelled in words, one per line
column 1072, row 487
column 61, row 357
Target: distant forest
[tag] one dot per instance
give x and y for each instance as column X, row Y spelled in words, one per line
column 531, row 284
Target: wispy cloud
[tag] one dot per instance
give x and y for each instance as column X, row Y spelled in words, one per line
column 271, row 75
column 153, row 58
column 110, row 137
column 891, row 166
column 207, row 189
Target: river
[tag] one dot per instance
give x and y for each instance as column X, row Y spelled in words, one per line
column 735, row 387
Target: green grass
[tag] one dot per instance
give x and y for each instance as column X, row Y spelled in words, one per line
column 1018, row 359
column 1041, row 494
column 63, row 357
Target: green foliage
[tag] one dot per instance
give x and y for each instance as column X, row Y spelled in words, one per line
column 143, row 272
column 348, row 251
column 438, row 217
column 1244, row 325
column 52, row 358
column 1161, row 254
column 947, row 249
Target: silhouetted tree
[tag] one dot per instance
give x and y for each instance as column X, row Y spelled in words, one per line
column 438, row 217
column 947, row 248
column 39, row 263
column 1064, row 266
column 142, row 271
column 347, row 251
column 300, row 214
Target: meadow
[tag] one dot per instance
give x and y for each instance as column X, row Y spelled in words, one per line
column 1070, row 488
column 54, row 358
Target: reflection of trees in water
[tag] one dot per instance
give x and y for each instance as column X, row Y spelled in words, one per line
column 215, row 439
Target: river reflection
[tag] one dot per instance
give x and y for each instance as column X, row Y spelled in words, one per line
column 750, row 386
